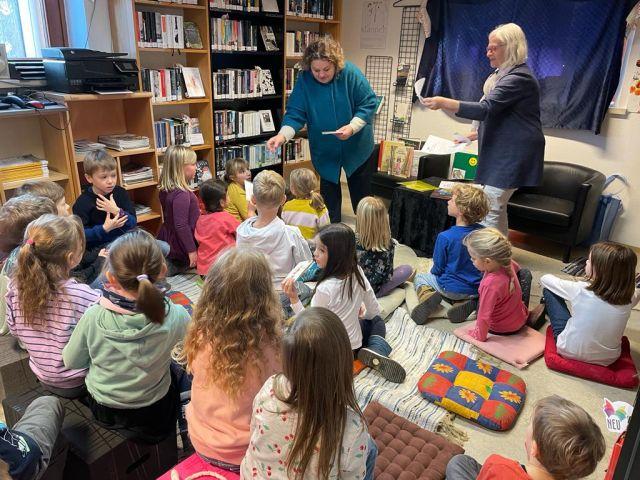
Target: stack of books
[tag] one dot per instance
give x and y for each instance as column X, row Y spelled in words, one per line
column 258, row 155
column 23, row 167
column 124, row 141
column 165, row 84
column 154, row 30
column 84, row 146
column 310, row 8
column 141, row 209
column 297, row 150
column 134, row 173
column 233, row 35
column 297, row 42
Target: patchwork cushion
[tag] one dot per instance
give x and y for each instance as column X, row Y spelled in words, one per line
column 475, row 390
column 180, row 298
column 621, row 373
column 406, row 451
column 194, row 464
column 518, row 349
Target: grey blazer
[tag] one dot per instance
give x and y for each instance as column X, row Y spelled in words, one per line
column 510, row 138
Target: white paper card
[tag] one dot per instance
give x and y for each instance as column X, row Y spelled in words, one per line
column 441, row 146
column 248, row 190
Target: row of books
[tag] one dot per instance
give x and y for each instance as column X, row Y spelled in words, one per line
column 233, row 35
column 141, row 209
column 156, row 30
column 231, row 124
column 246, row 5
column 133, row 173
column 23, row 167
column 187, row 2
column 310, row 8
column 166, row 84
column 297, row 42
column 258, row 155
column 124, row 141
column 297, row 150
column 177, row 131
column 290, row 77
column 238, row 83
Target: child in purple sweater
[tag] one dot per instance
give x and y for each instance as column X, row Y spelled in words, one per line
column 179, row 207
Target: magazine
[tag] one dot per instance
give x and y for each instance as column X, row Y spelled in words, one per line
column 192, row 82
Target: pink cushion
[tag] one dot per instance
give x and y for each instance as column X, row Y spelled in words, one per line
column 621, row 373
column 195, row 464
column 518, row 350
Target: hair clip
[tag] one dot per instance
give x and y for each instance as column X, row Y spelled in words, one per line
column 142, row 276
column 30, row 241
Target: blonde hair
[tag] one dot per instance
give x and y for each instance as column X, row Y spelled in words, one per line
column 372, row 225
column 42, row 188
column 172, row 176
column 515, row 44
column 98, row 160
column 570, row 444
column 136, row 262
column 43, row 260
column 236, row 326
column 472, row 203
column 17, row 213
column 306, row 186
column 326, row 48
column 490, row 243
column 268, row 189
column 232, row 167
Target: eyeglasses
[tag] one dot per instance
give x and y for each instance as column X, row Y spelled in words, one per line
column 493, row 48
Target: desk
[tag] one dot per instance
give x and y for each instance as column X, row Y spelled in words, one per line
column 416, row 219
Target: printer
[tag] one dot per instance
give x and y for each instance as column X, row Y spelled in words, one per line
column 79, row 70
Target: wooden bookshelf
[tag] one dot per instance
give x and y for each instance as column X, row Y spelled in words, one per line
column 43, row 134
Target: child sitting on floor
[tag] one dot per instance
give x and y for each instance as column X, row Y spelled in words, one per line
column 44, row 305
column 48, row 189
column 231, row 348
column 215, row 230
column 562, row 442
column 307, row 210
column 236, row 173
column 600, row 308
column 453, row 274
column 343, row 289
column 179, row 207
column 126, row 340
column 501, row 310
column 316, row 428
column 375, row 247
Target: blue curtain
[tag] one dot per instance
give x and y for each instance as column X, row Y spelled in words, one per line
column 575, row 50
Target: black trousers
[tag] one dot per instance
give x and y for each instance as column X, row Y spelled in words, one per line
column 359, row 187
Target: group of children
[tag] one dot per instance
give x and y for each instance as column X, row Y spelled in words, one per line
column 265, row 400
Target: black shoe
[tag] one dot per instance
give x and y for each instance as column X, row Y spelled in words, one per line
column 389, row 369
column 461, row 310
column 537, row 317
column 525, row 278
column 421, row 313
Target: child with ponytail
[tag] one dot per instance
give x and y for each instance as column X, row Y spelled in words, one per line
column 44, row 304
column 126, row 340
column 307, row 210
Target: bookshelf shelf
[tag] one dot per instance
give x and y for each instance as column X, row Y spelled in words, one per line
column 195, row 148
column 79, row 157
column 173, row 50
column 259, row 53
column 248, row 140
column 296, row 18
column 241, row 101
column 293, row 58
column 135, row 186
column 146, row 217
column 53, row 176
column 185, row 101
column 243, row 14
column 184, row 6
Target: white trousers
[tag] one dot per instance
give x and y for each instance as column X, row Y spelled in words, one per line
column 498, row 199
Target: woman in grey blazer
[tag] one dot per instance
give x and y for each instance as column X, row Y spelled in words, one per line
column 510, row 138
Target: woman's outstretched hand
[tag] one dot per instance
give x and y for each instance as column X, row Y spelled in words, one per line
column 432, row 103
column 274, row 142
column 344, row 133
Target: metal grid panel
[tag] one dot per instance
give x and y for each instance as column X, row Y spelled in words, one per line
column 407, row 55
column 378, row 72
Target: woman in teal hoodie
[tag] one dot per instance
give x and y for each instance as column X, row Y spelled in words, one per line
column 331, row 95
column 125, row 341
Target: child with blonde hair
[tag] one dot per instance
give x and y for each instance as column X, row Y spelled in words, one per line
column 307, row 210
column 562, row 442
column 44, row 304
column 236, row 173
column 48, row 189
column 452, row 274
column 231, row 348
column 315, row 426
column 375, row 247
column 179, row 207
column 126, row 340
column 591, row 331
column 501, row 310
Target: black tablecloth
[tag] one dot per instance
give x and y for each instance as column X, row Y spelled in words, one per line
column 416, row 219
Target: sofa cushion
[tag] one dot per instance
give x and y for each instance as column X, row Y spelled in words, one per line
column 541, row 208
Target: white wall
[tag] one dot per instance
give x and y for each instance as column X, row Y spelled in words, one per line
column 78, row 14
column 615, row 150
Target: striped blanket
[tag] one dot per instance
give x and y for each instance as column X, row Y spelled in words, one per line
column 187, row 283
column 414, row 347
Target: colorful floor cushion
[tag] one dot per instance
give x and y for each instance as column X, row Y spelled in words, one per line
column 406, row 451
column 475, row 390
column 621, row 373
column 518, row 350
column 180, row 298
column 194, row 465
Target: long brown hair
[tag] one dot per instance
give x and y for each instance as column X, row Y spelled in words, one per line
column 238, row 315
column 304, row 185
column 44, row 261
column 318, row 364
column 136, row 262
column 613, row 272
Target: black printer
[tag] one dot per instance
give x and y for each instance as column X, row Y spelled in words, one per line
column 79, row 70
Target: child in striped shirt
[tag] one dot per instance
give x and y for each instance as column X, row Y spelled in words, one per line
column 44, row 304
column 307, row 210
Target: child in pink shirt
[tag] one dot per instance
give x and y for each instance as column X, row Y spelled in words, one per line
column 216, row 230
column 501, row 310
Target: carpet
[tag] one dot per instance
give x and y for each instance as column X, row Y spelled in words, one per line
column 414, row 347
column 187, row 284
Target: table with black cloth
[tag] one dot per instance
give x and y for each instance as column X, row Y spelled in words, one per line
column 416, row 219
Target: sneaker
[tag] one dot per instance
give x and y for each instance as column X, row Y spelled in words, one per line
column 429, row 301
column 537, row 317
column 459, row 312
column 389, row 369
column 525, row 278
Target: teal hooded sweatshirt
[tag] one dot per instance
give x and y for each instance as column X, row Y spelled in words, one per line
column 128, row 356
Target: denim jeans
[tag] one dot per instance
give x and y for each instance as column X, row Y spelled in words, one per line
column 463, row 467
column 372, row 454
column 430, row 280
column 557, row 311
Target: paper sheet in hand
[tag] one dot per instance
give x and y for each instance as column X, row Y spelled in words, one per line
column 248, row 190
column 333, row 132
column 441, row 146
column 417, row 87
column 461, row 138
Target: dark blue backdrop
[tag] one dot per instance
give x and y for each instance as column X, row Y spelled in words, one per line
column 575, row 50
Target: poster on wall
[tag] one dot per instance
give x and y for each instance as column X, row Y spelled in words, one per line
column 375, row 18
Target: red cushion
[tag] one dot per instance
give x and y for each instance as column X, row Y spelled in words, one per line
column 195, row 464
column 621, row 373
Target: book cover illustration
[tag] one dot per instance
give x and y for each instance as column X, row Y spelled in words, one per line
column 463, row 166
column 192, row 37
column 401, row 161
column 192, row 82
column 387, row 148
column 268, row 38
